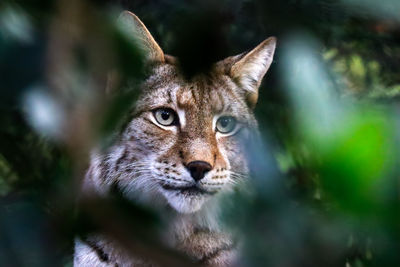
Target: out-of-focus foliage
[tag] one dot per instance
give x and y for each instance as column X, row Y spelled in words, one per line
column 325, row 185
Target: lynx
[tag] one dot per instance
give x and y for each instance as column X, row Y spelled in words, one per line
column 181, row 151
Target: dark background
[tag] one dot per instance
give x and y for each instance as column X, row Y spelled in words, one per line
column 326, row 191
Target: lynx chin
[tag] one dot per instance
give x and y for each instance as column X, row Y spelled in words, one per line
column 181, row 151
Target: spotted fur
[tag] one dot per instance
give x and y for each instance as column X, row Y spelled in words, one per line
column 148, row 163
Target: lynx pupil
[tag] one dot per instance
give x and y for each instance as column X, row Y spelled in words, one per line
column 165, row 115
column 226, row 124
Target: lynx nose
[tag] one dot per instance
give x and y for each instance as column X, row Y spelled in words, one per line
column 198, row 169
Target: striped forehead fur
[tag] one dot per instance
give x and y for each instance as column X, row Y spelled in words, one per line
column 214, row 92
column 150, row 161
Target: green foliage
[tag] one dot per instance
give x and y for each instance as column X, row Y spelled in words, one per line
column 324, row 190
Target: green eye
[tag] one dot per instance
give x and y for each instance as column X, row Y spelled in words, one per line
column 226, row 124
column 165, row 116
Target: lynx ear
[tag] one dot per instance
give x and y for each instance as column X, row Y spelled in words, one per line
column 131, row 23
column 251, row 67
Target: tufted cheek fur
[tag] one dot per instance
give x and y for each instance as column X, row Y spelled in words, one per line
column 150, row 162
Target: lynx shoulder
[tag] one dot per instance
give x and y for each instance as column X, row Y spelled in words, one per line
column 182, row 149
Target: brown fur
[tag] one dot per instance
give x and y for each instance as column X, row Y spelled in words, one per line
column 149, row 159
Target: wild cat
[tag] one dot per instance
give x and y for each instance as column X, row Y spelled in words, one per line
column 181, row 151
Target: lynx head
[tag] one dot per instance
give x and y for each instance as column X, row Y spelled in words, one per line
column 184, row 143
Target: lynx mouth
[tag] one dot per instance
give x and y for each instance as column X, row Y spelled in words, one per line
column 189, row 190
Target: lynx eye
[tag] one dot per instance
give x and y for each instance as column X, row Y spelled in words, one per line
column 226, row 124
column 165, row 116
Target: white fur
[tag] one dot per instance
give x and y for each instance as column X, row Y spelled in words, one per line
column 85, row 256
column 183, row 204
column 182, row 118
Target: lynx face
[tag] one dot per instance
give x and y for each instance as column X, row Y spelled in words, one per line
column 184, row 144
column 185, row 140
